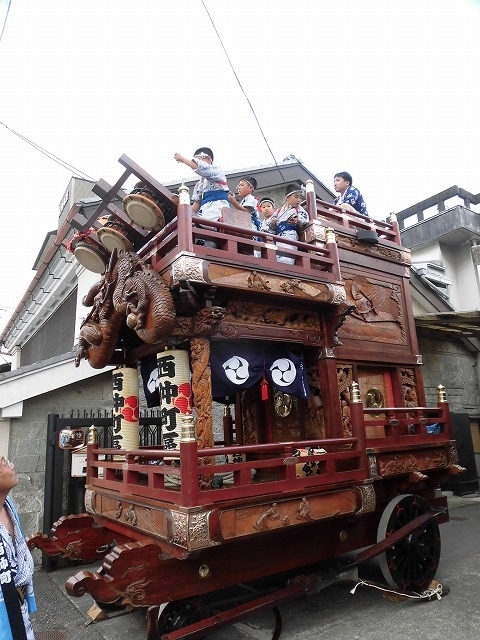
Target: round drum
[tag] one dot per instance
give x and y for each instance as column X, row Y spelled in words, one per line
column 90, row 254
column 115, row 235
column 144, row 207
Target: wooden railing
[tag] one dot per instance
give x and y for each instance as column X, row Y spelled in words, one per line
column 187, row 477
column 340, row 220
column 239, row 246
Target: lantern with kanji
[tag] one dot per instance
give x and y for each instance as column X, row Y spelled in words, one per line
column 126, row 433
column 174, row 386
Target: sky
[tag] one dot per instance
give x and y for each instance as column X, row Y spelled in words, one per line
column 384, row 89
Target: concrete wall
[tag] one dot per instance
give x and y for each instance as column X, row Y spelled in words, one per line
column 27, row 449
column 453, row 366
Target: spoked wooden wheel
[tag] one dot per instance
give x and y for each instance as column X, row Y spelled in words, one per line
column 411, row 564
column 180, row 614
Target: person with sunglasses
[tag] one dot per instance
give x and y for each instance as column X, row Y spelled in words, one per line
column 17, row 600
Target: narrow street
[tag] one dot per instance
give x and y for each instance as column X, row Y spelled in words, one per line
column 334, row 614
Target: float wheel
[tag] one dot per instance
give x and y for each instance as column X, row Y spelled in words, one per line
column 411, row 564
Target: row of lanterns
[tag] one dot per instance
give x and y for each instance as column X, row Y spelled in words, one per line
column 174, row 385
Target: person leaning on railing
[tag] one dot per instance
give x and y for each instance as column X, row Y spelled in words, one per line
column 350, row 198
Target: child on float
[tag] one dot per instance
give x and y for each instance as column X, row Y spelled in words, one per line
column 267, row 209
column 289, row 220
column 245, row 188
column 210, row 193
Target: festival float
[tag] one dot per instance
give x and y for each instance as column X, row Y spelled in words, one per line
column 327, row 450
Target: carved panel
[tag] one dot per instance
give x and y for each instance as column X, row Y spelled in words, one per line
column 198, row 531
column 409, row 387
column 187, row 268
column 372, row 464
column 314, row 415
column 388, row 253
column 89, row 498
column 378, row 313
column 369, row 501
column 145, row 519
column 259, row 518
column 179, row 528
column 345, row 379
column 393, row 464
column 453, row 453
column 241, row 278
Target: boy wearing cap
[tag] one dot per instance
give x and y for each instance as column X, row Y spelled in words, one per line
column 288, row 221
column 210, row 193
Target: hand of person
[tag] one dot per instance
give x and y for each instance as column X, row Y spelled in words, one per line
column 231, row 197
column 179, row 158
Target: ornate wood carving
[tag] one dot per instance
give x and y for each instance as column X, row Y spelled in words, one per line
column 388, row 253
column 241, row 278
column 409, row 387
column 378, row 311
column 368, row 498
column 187, row 268
column 277, row 515
column 76, row 537
column 314, row 418
column 249, row 417
column 202, row 391
column 398, row 463
column 245, row 319
column 132, row 291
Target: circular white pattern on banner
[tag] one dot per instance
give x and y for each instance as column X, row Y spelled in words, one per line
column 236, row 369
column 152, row 383
column 283, row 372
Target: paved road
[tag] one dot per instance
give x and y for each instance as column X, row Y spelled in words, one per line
column 333, row 614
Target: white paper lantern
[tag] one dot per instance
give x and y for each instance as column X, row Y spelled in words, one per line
column 174, row 386
column 126, row 433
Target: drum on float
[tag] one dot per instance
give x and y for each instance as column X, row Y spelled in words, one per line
column 89, row 253
column 144, row 207
column 115, row 235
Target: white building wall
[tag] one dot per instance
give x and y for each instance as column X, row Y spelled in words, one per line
column 464, row 293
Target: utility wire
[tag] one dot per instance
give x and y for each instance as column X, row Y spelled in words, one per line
column 46, row 153
column 243, row 90
column 5, row 21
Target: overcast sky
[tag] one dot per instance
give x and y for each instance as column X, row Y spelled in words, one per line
column 385, row 89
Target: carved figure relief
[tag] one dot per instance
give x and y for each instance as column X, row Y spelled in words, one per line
column 257, row 281
column 345, row 379
column 241, row 311
column 314, row 418
column 409, row 387
column 270, row 514
column 249, row 425
column 374, row 302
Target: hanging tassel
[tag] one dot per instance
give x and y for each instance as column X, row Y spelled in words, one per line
column 264, row 388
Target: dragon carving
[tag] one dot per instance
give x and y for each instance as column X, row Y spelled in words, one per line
column 129, row 290
column 132, row 293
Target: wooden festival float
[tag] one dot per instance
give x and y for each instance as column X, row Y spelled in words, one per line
column 329, row 451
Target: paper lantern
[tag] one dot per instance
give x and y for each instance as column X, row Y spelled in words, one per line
column 126, row 414
column 175, row 389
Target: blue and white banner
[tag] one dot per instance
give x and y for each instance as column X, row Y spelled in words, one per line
column 239, row 365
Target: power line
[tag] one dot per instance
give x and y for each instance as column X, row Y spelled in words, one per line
column 243, row 90
column 48, row 154
column 5, row 21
